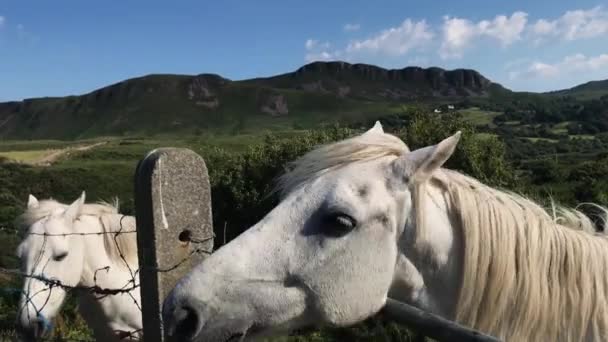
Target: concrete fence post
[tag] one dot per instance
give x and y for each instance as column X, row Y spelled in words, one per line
column 174, row 226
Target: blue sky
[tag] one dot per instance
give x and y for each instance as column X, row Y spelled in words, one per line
column 60, row 47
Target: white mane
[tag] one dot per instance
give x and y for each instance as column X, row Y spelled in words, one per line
column 528, row 273
column 333, row 156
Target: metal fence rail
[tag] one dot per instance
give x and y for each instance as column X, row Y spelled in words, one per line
column 431, row 325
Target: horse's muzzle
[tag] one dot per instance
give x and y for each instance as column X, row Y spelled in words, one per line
column 34, row 328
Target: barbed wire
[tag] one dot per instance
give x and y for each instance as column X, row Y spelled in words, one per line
column 122, row 335
column 99, row 292
column 14, row 231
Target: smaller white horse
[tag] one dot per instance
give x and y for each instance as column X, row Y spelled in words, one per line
column 88, row 246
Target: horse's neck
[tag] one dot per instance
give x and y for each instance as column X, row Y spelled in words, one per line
column 428, row 271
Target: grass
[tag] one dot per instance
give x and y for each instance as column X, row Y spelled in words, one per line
column 562, row 125
column 535, row 139
column 486, row 135
column 26, row 156
column 479, row 117
column 28, row 145
column 559, row 130
column 583, row 136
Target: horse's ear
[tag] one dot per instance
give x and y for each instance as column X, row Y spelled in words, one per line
column 32, row 202
column 377, row 129
column 73, row 211
column 420, row 164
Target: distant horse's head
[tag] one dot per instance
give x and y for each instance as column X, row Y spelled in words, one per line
column 49, row 252
column 325, row 255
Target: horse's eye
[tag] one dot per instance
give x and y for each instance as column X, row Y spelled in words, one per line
column 61, row 256
column 339, row 224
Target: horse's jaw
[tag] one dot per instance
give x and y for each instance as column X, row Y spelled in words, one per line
column 193, row 313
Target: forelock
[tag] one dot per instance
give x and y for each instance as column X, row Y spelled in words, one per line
column 336, row 155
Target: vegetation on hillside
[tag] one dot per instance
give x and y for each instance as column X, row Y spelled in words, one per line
column 318, row 92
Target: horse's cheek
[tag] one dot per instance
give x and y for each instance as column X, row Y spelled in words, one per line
column 353, row 286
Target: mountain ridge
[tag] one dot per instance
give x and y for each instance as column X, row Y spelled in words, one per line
column 313, row 93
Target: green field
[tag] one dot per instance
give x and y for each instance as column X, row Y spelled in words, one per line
column 479, row 117
column 26, row 156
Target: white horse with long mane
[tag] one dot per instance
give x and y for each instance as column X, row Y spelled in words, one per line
column 364, row 219
column 90, row 246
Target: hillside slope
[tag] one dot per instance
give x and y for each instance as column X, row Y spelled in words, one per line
column 320, row 91
column 589, row 90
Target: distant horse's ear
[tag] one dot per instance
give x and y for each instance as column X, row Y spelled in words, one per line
column 32, row 202
column 377, row 129
column 420, row 164
column 73, row 211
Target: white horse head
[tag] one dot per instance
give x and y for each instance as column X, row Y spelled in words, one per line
column 48, row 251
column 68, row 246
column 364, row 219
column 327, row 254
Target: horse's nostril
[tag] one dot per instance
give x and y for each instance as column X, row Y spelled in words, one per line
column 187, row 323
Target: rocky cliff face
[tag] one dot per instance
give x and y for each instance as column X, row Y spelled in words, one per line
column 435, row 77
column 204, row 90
column 369, row 81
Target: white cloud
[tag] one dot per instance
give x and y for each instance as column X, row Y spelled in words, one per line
column 578, row 63
column 317, row 51
column 457, row 36
column 2, row 21
column 535, row 70
column 544, row 27
column 507, row 30
column 459, row 33
column 321, row 56
column 573, row 25
column 312, row 44
column 351, row 27
column 395, row 41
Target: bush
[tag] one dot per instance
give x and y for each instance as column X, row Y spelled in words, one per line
column 479, row 156
column 546, row 171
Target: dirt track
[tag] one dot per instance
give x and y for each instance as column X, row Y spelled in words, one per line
column 52, row 157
